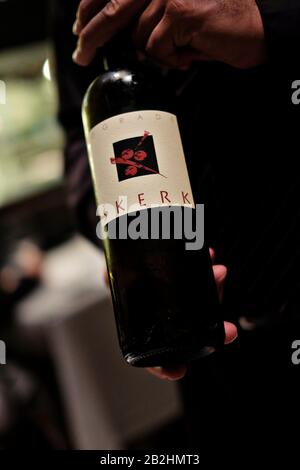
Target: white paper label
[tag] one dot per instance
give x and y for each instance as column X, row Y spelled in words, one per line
column 137, row 162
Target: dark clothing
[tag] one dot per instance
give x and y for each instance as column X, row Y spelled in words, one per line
column 239, row 129
column 281, row 20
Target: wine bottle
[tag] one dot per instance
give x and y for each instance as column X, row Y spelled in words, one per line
column 164, row 296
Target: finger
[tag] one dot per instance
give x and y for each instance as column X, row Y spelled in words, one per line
column 105, row 277
column 212, row 254
column 147, row 22
column 168, row 373
column 220, row 273
column 231, row 332
column 160, row 45
column 170, row 46
column 86, row 11
column 178, row 372
column 115, row 16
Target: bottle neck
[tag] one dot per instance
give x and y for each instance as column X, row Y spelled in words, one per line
column 119, row 53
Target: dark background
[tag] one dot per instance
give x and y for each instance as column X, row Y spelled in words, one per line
column 22, row 22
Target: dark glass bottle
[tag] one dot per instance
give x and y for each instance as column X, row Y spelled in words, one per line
column 165, row 297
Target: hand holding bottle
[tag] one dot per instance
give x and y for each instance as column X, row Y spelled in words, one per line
column 97, row 21
column 178, row 372
column 176, row 32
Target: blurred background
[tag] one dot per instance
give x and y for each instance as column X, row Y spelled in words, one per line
column 64, row 384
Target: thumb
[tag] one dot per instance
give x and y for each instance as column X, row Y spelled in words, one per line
column 220, row 273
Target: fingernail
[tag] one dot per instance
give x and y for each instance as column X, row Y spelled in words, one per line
column 232, row 340
column 246, row 324
column 231, row 332
column 75, row 56
column 220, row 272
column 75, row 26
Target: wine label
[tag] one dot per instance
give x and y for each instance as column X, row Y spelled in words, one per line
column 138, row 162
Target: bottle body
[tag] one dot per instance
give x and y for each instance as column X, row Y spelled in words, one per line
column 164, row 295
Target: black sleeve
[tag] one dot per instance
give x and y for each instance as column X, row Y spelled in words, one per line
column 281, row 19
column 72, row 82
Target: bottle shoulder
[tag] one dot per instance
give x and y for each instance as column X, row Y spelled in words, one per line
column 122, row 91
column 112, row 80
